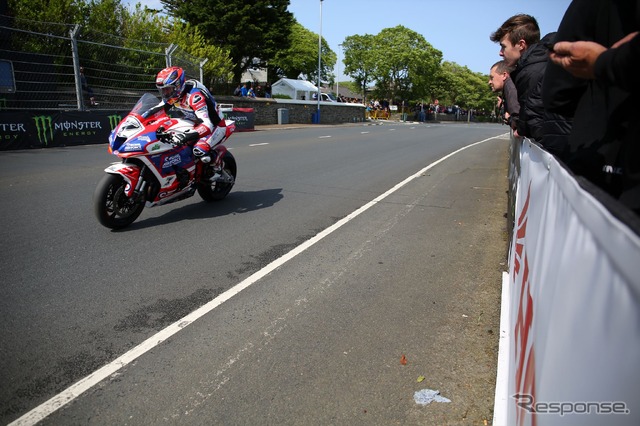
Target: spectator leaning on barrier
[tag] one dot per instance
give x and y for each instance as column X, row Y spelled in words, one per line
column 600, row 46
column 521, row 48
column 501, row 83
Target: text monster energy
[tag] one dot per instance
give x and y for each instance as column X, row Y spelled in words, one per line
column 78, row 126
column 44, row 125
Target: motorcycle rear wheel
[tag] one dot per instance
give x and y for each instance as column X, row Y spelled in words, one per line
column 112, row 206
column 218, row 190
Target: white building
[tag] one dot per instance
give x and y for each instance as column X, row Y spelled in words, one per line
column 295, row 89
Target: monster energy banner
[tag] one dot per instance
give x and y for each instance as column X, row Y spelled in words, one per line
column 243, row 117
column 44, row 129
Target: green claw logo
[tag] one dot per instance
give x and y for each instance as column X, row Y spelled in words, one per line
column 44, row 125
column 114, row 120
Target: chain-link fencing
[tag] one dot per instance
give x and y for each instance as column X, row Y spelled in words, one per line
column 67, row 67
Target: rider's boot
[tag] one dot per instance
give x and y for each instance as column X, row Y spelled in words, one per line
column 202, row 150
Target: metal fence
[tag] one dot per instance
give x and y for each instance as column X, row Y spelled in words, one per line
column 41, row 64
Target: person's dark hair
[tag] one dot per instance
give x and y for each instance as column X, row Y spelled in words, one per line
column 501, row 66
column 518, row 27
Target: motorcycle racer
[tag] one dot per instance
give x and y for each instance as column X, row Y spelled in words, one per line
column 194, row 100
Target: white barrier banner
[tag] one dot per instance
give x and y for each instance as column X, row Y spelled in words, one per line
column 574, row 354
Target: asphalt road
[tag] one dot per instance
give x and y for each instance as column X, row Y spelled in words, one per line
column 318, row 340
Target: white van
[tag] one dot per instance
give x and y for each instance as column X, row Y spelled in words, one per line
column 324, row 97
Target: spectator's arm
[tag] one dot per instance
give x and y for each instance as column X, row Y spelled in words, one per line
column 619, row 66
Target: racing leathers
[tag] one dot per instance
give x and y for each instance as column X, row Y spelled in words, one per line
column 198, row 105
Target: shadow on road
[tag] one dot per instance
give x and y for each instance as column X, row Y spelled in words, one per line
column 235, row 202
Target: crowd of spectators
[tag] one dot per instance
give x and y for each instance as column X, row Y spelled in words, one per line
column 576, row 90
column 247, row 90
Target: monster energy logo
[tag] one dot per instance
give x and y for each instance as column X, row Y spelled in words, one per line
column 44, row 125
column 114, row 120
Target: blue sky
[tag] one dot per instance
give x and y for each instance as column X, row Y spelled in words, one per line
column 458, row 28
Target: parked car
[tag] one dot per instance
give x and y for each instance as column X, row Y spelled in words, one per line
column 324, row 97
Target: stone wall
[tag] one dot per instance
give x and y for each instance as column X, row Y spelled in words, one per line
column 300, row 112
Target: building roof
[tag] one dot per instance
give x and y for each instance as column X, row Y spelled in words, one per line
column 297, row 85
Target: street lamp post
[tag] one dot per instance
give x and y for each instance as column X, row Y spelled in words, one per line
column 338, row 75
column 319, row 63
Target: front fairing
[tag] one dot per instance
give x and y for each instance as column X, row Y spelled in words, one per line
column 143, row 143
column 136, row 133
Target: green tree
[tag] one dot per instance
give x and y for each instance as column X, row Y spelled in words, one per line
column 58, row 11
column 106, row 16
column 218, row 67
column 302, row 56
column 253, row 31
column 405, row 63
column 142, row 24
column 52, row 17
column 458, row 85
column 359, row 60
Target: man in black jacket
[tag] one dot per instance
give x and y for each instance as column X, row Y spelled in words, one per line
column 599, row 45
column 521, row 48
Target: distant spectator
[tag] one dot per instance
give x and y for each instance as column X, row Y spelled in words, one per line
column 86, row 90
column 267, row 91
column 238, row 91
column 244, row 92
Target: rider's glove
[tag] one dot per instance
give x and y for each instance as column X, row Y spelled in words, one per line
column 180, row 139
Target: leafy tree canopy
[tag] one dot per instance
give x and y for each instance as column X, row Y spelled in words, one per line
column 458, row 85
column 359, row 63
column 301, row 58
column 404, row 66
column 138, row 28
column 253, row 31
column 401, row 62
column 404, row 61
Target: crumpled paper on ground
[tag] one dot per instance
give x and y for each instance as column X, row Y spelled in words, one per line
column 427, row 396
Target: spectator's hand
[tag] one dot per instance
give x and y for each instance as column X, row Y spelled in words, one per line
column 577, row 57
column 624, row 40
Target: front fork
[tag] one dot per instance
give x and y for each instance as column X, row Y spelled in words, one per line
column 132, row 175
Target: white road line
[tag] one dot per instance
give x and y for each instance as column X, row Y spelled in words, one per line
column 501, row 398
column 259, row 144
column 323, row 137
column 363, row 133
column 78, row 388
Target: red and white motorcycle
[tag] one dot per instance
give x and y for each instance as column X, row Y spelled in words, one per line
column 155, row 171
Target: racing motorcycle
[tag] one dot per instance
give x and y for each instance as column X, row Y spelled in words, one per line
column 155, row 170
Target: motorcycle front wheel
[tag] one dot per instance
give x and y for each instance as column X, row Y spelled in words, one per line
column 112, row 206
column 216, row 191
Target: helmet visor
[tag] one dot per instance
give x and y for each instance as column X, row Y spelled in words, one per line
column 167, row 92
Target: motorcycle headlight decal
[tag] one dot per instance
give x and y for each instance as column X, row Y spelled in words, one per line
column 130, row 126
